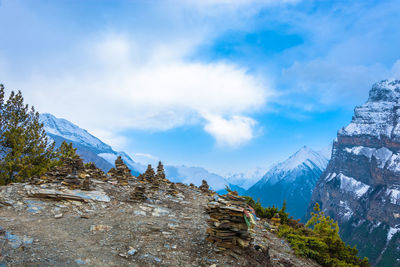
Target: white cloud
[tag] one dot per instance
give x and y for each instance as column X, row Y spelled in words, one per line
column 116, row 141
column 114, row 86
column 233, row 131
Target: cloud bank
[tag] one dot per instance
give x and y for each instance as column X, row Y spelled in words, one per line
column 118, row 84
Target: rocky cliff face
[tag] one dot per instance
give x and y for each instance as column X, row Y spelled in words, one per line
column 361, row 185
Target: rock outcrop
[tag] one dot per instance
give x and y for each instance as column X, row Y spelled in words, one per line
column 361, row 185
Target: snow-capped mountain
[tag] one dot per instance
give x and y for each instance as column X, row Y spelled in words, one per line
column 292, row 180
column 248, row 179
column 361, row 186
column 90, row 148
column 195, row 175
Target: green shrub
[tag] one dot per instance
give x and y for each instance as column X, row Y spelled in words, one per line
column 268, row 212
column 320, row 241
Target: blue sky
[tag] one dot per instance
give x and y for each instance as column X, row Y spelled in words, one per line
column 226, row 85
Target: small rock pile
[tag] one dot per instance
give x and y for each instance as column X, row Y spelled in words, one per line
column 172, row 190
column 121, row 172
column 230, row 222
column 70, row 173
column 139, row 194
column 150, row 177
column 204, row 186
column 93, row 172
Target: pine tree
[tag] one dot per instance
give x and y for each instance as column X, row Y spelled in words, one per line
column 66, row 151
column 25, row 148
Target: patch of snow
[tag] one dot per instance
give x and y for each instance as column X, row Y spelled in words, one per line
column 351, row 185
column 346, row 212
column 330, row 176
column 303, row 158
column 392, row 231
column 394, row 163
column 394, row 196
column 361, row 150
column 382, row 155
column 70, row 131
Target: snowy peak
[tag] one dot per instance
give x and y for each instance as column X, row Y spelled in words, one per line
column 305, row 157
column 379, row 117
column 386, row 90
column 291, row 180
column 248, row 179
column 70, row 131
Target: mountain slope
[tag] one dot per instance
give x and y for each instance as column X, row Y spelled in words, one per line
column 92, row 149
column 89, row 147
column 361, row 185
column 292, row 180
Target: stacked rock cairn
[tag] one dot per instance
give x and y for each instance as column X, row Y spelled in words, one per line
column 230, row 223
column 121, row 172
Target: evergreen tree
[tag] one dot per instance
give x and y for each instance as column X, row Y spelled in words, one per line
column 66, row 150
column 25, row 148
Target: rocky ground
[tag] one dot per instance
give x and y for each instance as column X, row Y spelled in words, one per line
column 104, row 227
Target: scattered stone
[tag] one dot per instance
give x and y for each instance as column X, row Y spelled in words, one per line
column 58, row 216
column 100, row 228
column 132, row 251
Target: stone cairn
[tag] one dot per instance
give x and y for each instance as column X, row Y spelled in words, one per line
column 160, row 172
column 70, row 173
column 172, row 190
column 121, row 172
column 230, row 222
column 204, row 186
column 94, row 172
column 151, row 177
column 139, row 194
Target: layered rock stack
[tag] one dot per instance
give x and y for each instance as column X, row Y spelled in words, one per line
column 230, row 222
column 161, row 173
column 68, row 173
column 94, row 172
column 149, row 175
column 204, row 186
column 173, row 190
column 121, row 172
column 139, row 194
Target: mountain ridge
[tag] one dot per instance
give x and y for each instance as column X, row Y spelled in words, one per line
column 291, row 180
column 93, row 149
column 361, row 186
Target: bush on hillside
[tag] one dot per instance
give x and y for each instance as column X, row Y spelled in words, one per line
column 320, row 241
